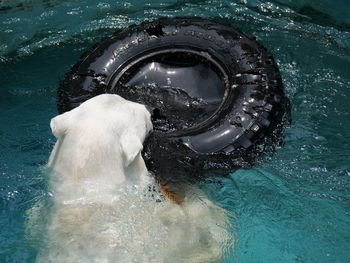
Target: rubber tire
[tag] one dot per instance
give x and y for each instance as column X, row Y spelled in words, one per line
column 256, row 104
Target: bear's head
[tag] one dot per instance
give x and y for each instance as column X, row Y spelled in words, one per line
column 101, row 137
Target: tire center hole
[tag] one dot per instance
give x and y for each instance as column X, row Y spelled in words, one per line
column 180, row 89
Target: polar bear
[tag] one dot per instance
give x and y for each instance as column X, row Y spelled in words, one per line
column 107, row 208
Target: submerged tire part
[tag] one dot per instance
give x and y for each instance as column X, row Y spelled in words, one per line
column 215, row 94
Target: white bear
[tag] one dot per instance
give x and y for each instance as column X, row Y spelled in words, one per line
column 106, row 207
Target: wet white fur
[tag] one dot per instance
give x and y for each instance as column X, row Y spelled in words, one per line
column 102, row 208
column 98, row 149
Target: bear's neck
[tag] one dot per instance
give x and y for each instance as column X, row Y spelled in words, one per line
column 92, row 176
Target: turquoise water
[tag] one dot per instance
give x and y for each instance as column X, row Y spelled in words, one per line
column 293, row 207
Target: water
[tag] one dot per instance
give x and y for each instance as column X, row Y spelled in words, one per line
column 293, row 207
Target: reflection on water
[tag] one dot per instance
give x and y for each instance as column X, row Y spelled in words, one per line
column 293, row 207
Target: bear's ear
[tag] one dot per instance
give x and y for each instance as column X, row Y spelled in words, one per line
column 58, row 125
column 131, row 146
column 149, row 125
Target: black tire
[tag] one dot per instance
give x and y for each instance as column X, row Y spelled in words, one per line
column 254, row 106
